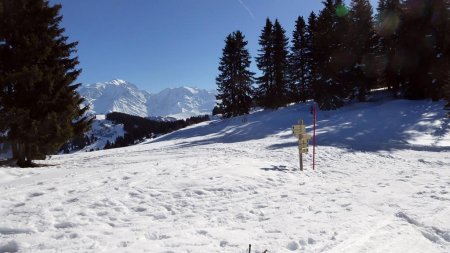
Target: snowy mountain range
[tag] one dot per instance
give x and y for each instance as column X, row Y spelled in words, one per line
column 121, row 96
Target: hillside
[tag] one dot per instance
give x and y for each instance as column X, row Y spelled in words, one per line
column 381, row 185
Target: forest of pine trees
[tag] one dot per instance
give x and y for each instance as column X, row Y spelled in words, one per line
column 339, row 54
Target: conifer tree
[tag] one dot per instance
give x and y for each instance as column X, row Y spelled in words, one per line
column 311, row 55
column 442, row 72
column 265, row 63
column 299, row 89
column 280, row 66
column 39, row 106
column 273, row 63
column 361, row 44
column 331, row 55
column 235, row 79
column 440, row 86
column 389, row 19
column 420, row 37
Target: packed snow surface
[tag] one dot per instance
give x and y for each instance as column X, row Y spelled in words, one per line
column 382, row 184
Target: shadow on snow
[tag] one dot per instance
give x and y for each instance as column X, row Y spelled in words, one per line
column 371, row 126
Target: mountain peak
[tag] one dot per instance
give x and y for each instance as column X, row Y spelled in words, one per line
column 121, row 96
column 118, row 82
column 191, row 89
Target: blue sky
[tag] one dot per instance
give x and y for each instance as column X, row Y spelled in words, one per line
column 157, row 44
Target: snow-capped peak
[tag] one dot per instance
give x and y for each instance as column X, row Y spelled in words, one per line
column 115, row 96
column 119, row 95
column 118, row 82
column 191, row 90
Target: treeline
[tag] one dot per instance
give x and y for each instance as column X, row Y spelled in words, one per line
column 340, row 54
column 138, row 129
column 77, row 143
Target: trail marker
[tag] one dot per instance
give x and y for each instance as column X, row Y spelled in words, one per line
column 314, row 136
column 303, row 138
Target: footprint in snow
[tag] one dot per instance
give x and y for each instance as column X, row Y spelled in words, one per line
column 19, row 204
column 292, row 246
column 11, row 247
column 64, row 225
column 72, row 200
column 36, row 194
column 139, row 209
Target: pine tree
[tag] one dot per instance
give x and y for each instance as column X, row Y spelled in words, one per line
column 280, row 66
column 361, row 45
column 273, row 62
column 235, row 79
column 311, row 55
column 299, row 87
column 39, row 105
column 389, row 19
column 331, row 55
column 265, row 63
column 440, row 86
column 442, row 61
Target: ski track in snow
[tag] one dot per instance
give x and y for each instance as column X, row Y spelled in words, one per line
column 177, row 195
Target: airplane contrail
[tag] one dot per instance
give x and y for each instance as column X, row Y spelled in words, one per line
column 247, row 9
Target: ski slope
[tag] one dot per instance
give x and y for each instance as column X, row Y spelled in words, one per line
column 382, row 184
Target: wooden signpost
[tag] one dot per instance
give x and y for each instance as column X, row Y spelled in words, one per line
column 303, row 138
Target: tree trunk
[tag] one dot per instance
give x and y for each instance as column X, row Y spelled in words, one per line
column 14, row 150
column 23, row 158
column 20, row 156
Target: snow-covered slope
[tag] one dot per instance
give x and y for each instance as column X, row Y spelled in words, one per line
column 121, row 96
column 103, row 130
column 382, row 184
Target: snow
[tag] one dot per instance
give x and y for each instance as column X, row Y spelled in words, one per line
column 181, row 103
column 121, row 96
column 382, row 184
column 104, row 130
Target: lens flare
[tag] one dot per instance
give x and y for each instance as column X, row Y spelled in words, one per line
column 389, row 24
column 341, row 10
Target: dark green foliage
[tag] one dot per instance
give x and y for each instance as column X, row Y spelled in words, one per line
column 264, row 62
column 388, row 27
column 77, row 143
column 272, row 60
column 235, row 80
column 331, row 57
column 216, row 110
column 311, row 55
column 361, row 47
column 423, row 45
column 39, row 107
column 299, row 87
column 280, row 66
column 137, row 128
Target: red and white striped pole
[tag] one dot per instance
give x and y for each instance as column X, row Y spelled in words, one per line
column 314, row 136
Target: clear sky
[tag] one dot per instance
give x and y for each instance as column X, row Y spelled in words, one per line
column 157, row 44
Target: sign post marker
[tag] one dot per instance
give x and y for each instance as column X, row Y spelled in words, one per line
column 303, row 138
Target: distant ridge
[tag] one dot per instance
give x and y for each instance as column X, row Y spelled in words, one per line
column 121, row 96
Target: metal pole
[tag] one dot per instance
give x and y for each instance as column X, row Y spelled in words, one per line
column 301, row 159
column 314, row 138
